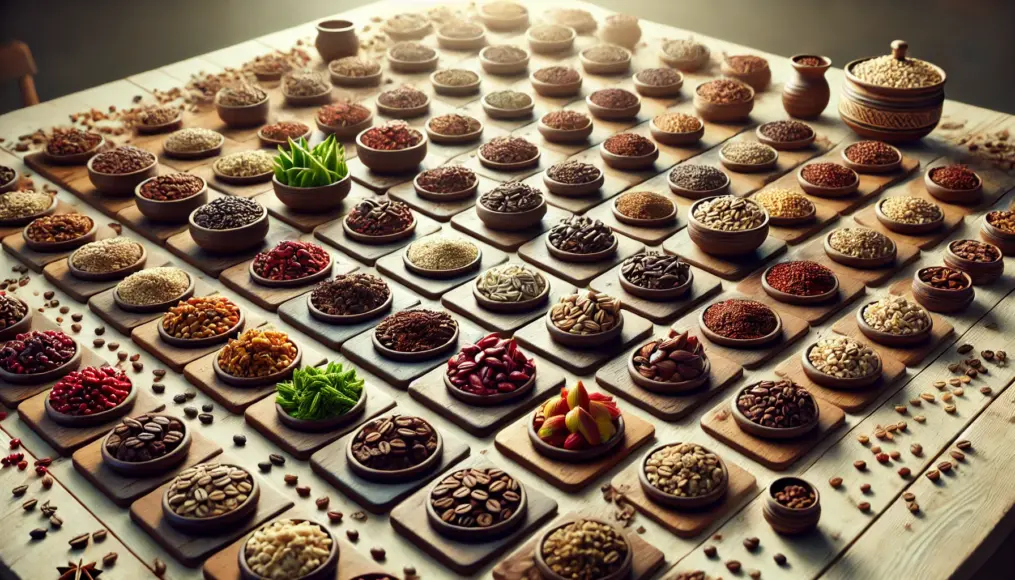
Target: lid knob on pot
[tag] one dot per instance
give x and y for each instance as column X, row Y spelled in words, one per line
column 899, row 48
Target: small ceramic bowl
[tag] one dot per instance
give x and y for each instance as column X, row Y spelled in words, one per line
column 24, row 221
column 747, row 167
column 503, row 68
column 958, row 196
column 63, row 246
column 21, row 326
column 667, row 387
column 489, row 400
column 324, row 571
column 723, row 112
column 177, row 211
column 99, row 418
column 573, row 189
column 941, row 300
column 889, row 339
column 104, row 276
column 565, row 135
column 904, row 228
column 217, row 524
column 1005, row 241
column 585, row 341
column 153, row 466
column 686, row 65
column 823, row 191
column 757, row 80
column 784, row 145
column 796, row 299
column 454, row 90
column 695, row 194
column 74, row 158
column 511, row 222
column 507, row 166
column 202, row 154
column 321, row 274
column 413, row 66
column 202, row 342
column 643, row 222
column 406, row 475
column 323, row 425
column 441, row 197
column 158, row 307
column 120, row 184
column 371, row 80
column 273, row 143
column 675, row 501
column 675, row 139
column 773, row 433
column 510, row 307
column 657, row 91
column 577, row 455
column 623, row 572
column 454, row 139
column 400, row 356
column 12, row 183
column 550, row 46
column 323, row 198
column 862, row 263
column 553, row 90
column 240, row 180
column 231, row 240
column 657, row 295
column 581, row 258
column 508, row 114
column 441, row 274
column 605, row 68
column 242, row 116
column 346, row 131
column 397, row 161
column 862, row 168
column 476, row 534
column 381, row 239
column 609, row 114
column 343, row 319
column 250, row 382
column 418, row 33
column 72, row 364
column 404, row 113
column 628, row 162
column 826, row 380
column 307, row 100
column 745, row 343
column 468, row 43
column 787, row 520
column 979, row 272
column 168, row 126
column 501, row 23
column 721, row 243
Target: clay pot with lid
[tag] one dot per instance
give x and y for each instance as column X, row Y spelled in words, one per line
column 336, row 39
column 787, row 520
column 806, row 94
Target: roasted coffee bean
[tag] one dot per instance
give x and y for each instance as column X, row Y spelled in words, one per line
column 239, row 440
column 378, row 553
column 99, row 535
column 206, row 418
column 303, row 490
column 353, row 535
column 38, row 533
column 335, row 517
column 20, row 490
column 394, row 443
column 276, row 459
column 190, row 412
column 581, row 235
column 79, row 542
column 476, row 497
column 291, row 479
column 109, row 559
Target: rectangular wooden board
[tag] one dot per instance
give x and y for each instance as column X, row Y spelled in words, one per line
column 307, row 221
column 12, row 395
column 393, row 266
column 703, row 287
column 952, row 220
column 905, row 254
column 850, row 289
column 332, row 233
column 536, row 337
column 15, row 245
column 462, row 301
column 175, row 357
column 652, row 236
column 104, row 306
column 58, row 274
column 726, row 267
column 577, row 273
column 381, row 182
column 157, row 232
column 441, row 211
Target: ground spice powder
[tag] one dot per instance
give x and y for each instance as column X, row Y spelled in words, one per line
column 740, row 319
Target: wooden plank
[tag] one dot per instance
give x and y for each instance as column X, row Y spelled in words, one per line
column 849, row 400
column 850, row 289
column 104, row 306
column 909, row 355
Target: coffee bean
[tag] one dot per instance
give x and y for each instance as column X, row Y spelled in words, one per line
column 55, row 521
column 207, row 407
column 303, row 490
column 353, row 535
column 711, row 551
column 29, row 505
column 335, row 517
column 378, row 553
column 180, row 399
column 865, row 487
column 780, row 559
column 964, row 444
column 964, row 348
column 189, row 411
column 290, row 479
column 751, row 544
column 159, row 567
column 276, row 459
column 206, row 418
column 933, row 475
column 78, row 542
column 835, row 482
column 99, row 535
column 190, row 395
column 239, row 440
column 264, row 466
column 20, row 490
column 860, row 465
column 38, row 533
column 110, row 559
column 322, row 502
column 158, row 388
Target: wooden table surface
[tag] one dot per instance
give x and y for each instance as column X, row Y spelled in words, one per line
column 962, row 516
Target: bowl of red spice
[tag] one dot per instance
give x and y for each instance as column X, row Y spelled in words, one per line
column 378, row 222
column 556, row 81
column 629, row 152
column 508, row 154
column 405, row 102
column 942, row 289
column 565, row 126
column 645, row 209
column 826, row 179
column 748, row 69
column 613, row 104
column 740, row 323
column 118, row 171
column 792, row 506
column 446, row 183
column 982, row 261
column 872, row 157
column 786, row 135
column 998, row 228
column 676, row 129
column 800, row 282
column 724, row 100
column 289, row 264
column 658, row 82
column 90, row 396
column 454, row 129
column 59, row 233
column 343, row 120
column 573, row 179
column 280, row 133
column 38, row 356
column 72, row 146
column 170, row 198
column 393, row 147
column 954, row 184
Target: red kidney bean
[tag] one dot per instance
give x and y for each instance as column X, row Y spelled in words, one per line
column 491, row 366
column 90, row 390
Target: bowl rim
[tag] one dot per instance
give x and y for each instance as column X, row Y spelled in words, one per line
column 530, row 38
column 667, row 387
column 489, row 533
column 570, row 257
column 91, row 169
column 607, row 154
column 451, row 273
column 672, row 86
column 747, row 167
column 514, row 165
column 330, row 562
column 157, row 307
column 870, row 332
column 323, row 425
column 474, row 400
column 395, row 355
column 54, row 374
column 523, row 61
column 209, row 231
column 784, row 145
column 691, row 219
column 235, row 381
column 785, row 480
column 826, row 61
column 599, row 111
column 587, row 340
column 518, row 306
column 952, row 253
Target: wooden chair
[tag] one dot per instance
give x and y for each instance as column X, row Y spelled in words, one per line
column 16, row 62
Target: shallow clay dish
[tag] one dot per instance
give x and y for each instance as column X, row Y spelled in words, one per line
column 991, row 234
column 628, row 162
column 657, row 91
column 685, row 64
column 503, row 68
column 212, row 152
column 202, row 342
column 152, row 466
column 543, row 568
column 510, row 222
column 103, row 276
column 413, row 66
column 166, row 127
column 510, row 307
column 694, row 194
column 657, row 295
column 454, row 90
column 312, row 199
column 97, row 418
column 250, row 382
column 441, row 274
column 675, row 139
column 476, row 534
column 159, row 307
column 959, row 196
column 565, row 135
column 414, row 356
column 823, row 191
column 507, row 166
column 324, row 571
column 396, row 475
column 605, row 68
column 775, row 433
column 404, row 113
column 340, row 319
column 573, row 190
column 242, row 116
column 237, row 180
column 307, row 100
column 889, row 339
column 862, row 168
column 453, row 196
column 826, row 380
column 397, row 161
column 584, row 341
column 378, row 240
column 904, row 228
column 787, row 298
column 24, row 221
column 371, row 80
column 304, row 281
column 581, row 258
column 609, row 114
column 677, row 502
column 761, row 341
column 577, row 455
column 218, row 524
column 721, row 243
column 231, row 240
column 74, row 158
column 120, row 184
column 345, row 131
column 454, row 139
column 323, row 425
column 862, row 263
column 44, row 377
column 498, row 113
column 643, row 222
column 489, row 400
column 177, row 211
column 785, row 145
column 979, row 272
column 550, row 46
column 63, row 246
column 723, row 112
column 747, row 167
column 19, row 327
column 555, row 90
column 668, row 387
column 272, row 143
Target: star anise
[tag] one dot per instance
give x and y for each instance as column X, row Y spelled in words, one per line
column 79, row 571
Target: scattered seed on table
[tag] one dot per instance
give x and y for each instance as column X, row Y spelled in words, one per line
column 303, row 490
column 913, row 507
column 38, row 533
column 206, row 418
column 864, row 506
column 190, row 412
column 944, row 466
column 264, row 466
column 276, row 459
column 861, row 465
column 78, row 542
column 957, row 455
column 733, row 566
column 239, row 440
column 916, row 449
column 780, row 559
column 138, row 366
column 896, row 455
column 835, row 482
column 933, row 475
column 98, row 342
column 919, row 418
column 949, row 408
column 99, row 535
column 291, row 479
column 986, row 391
column 865, row 487
column 353, row 535
column 20, row 490
column 158, row 388
column 110, row 559
column 378, row 553
column 99, row 331
column 190, row 394
column 711, row 551
column 322, row 502
column 47, row 481
column 179, row 399
column 751, row 543
column 122, row 355
column 29, row 505
column 55, row 521
column 863, row 439
column 75, row 327
column 964, row 444
column 335, row 517
column 207, row 407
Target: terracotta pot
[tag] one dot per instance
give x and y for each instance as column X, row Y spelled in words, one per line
column 806, row 94
column 979, row 272
column 1005, row 241
column 335, row 39
column 176, row 211
column 312, row 199
column 785, row 520
column 941, row 300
